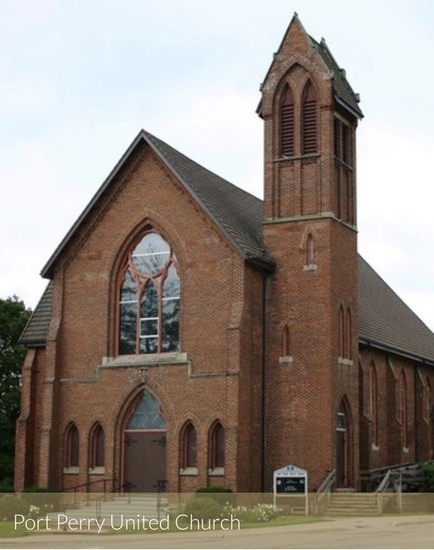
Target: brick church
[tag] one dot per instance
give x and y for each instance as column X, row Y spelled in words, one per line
column 192, row 334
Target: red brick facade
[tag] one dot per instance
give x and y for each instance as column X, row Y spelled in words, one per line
column 272, row 354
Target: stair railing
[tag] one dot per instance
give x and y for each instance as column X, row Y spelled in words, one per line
column 84, row 489
column 324, row 490
column 382, row 488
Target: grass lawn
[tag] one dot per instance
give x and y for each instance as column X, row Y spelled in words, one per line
column 277, row 522
column 7, row 530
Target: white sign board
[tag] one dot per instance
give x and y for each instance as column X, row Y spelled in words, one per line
column 291, row 481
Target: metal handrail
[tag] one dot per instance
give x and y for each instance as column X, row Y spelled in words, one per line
column 89, row 483
column 384, row 482
column 327, row 484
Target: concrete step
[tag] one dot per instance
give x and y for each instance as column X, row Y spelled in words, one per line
column 118, row 508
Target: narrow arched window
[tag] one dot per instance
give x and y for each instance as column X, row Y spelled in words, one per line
column 309, row 120
column 287, row 147
column 97, row 447
column 373, row 402
column 149, row 298
column 348, row 338
column 427, row 400
column 217, row 446
column 286, row 349
column 310, row 250
column 402, row 408
column 341, row 332
column 72, row 447
column 189, row 447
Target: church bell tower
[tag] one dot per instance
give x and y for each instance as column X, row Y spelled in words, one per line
column 310, row 115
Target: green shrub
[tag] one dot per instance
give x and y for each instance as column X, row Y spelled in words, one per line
column 428, row 478
column 256, row 514
column 202, row 508
column 221, row 495
column 11, row 505
column 43, row 500
column 214, row 489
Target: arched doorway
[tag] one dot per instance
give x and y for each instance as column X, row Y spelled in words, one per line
column 144, row 445
column 343, row 446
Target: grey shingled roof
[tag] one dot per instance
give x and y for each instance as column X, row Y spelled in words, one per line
column 385, row 321
column 237, row 212
column 36, row 330
column 343, row 92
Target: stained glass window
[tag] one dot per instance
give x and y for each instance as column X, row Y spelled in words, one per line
column 148, row 415
column 149, row 298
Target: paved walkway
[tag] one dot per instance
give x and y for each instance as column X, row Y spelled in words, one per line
column 375, row 532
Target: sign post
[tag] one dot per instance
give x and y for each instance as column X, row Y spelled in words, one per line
column 291, row 481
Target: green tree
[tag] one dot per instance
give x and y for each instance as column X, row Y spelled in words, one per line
column 13, row 318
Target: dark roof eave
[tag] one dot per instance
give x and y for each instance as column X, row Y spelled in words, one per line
column 363, row 341
column 356, row 113
column 39, row 343
column 268, row 265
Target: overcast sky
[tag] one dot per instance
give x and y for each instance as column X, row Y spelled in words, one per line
column 80, row 78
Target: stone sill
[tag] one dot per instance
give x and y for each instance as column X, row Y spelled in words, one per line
column 71, row 470
column 188, row 471
column 286, row 360
column 144, row 360
column 345, row 362
column 216, row 472
column 97, row 471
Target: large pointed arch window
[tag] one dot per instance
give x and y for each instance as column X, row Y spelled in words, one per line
column 287, row 147
column 149, row 298
column 309, row 122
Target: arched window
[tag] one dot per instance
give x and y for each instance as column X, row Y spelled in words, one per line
column 373, row 402
column 341, row 332
column 287, row 147
column 309, row 123
column 286, row 348
column 217, row 446
column 189, row 447
column 72, row 447
column 348, row 338
column 427, row 400
column 402, row 408
column 146, row 414
column 97, row 447
column 149, row 298
column 310, row 250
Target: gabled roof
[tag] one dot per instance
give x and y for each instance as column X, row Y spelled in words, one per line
column 386, row 322
column 237, row 213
